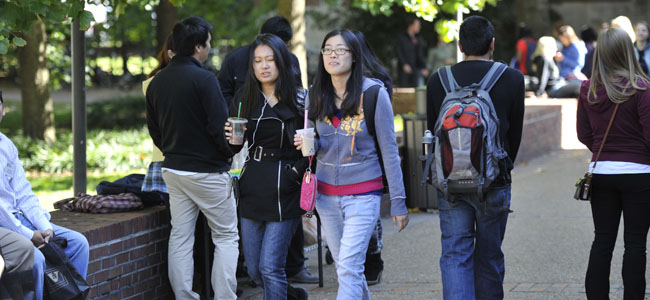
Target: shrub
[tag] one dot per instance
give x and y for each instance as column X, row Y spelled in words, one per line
column 107, row 151
column 120, row 113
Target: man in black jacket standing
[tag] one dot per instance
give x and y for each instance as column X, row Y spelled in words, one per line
column 235, row 65
column 411, row 63
column 186, row 113
column 231, row 77
column 472, row 263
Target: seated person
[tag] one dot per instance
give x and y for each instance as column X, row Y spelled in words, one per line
column 545, row 69
column 27, row 217
column 17, row 263
column 571, row 61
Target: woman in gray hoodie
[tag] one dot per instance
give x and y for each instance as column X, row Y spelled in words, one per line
column 350, row 177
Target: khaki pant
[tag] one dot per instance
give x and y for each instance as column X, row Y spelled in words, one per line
column 17, row 251
column 209, row 193
column 18, row 256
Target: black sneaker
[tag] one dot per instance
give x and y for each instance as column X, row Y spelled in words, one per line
column 374, row 267
column 296, row 293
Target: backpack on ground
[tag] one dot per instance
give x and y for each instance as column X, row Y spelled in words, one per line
column 370, row 97
column 467, row 148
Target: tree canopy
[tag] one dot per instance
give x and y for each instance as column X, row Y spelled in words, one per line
column 447, row 27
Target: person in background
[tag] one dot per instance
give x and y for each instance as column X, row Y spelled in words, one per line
column 642, row 46
column 618, row 90
column 545, row 69
column 525, row 47
column 349, row 173
column 26, row 216
column 153, row 180
column 624, row 23
column 269, row 202
column 589, row 36
column 409, row 49
column 570, row 61
column 234, row 67
column 443, row 54
column 373, row 68
column 197, row 159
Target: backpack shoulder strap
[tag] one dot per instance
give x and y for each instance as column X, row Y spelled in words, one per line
column 492, row 76
column 370, row 97
column 447, row 79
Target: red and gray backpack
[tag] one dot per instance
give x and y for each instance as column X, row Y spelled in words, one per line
column 467, row 148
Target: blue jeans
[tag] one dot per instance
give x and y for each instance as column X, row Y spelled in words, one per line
column 77, row 251
column 348, row 222
column 265, row 249
column 472, row 263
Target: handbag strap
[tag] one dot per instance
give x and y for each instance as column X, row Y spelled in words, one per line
column 609, row 126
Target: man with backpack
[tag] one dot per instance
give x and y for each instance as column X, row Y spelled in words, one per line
column 475, row 110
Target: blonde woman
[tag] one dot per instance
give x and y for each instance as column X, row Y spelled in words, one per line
column 620, row 180
column 624, row 23
column 545, row 69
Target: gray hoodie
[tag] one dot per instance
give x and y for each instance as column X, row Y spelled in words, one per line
column 341, row 163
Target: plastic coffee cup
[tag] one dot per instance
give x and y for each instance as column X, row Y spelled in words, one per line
column 307, row 134
column 238, row 127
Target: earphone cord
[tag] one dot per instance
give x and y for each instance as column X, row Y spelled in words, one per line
column 266, row 102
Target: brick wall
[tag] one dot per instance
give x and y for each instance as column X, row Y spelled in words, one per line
column 542, row 132
column 128, row 252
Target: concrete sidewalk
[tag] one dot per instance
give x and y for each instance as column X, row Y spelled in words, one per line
column 546, row 245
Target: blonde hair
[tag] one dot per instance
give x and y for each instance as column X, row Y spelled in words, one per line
column 616, row 67
column 546, row 46
column 624, row 23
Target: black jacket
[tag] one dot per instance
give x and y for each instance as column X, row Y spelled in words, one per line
column 269, row 188
column 235, row 67
column 185, row 115
column 410, row 53
column 547, row 73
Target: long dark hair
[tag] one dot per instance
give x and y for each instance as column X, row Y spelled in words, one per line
column 163, row 57
column 285, row 87
column 322, row 95
column 372, row 67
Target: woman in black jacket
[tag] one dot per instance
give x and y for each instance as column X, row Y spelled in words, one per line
column 545, row 69
column 269, row 203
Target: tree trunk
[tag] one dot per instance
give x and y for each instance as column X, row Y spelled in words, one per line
column 166, row 18
column 294, row 11
column 38, row 110
column 124, row 52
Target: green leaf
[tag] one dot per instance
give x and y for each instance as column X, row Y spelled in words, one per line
column 177, row 3
column 85, row 18
column 19, row 41
column 76, row 8
column 4, row 46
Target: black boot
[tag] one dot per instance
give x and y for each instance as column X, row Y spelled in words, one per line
column 374, row 266
column 296, row 293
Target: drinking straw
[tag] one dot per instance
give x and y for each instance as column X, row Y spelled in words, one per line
column 306, row 111
column 239, row 111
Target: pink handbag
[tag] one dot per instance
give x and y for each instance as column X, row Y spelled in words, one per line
column 308, row 191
